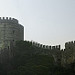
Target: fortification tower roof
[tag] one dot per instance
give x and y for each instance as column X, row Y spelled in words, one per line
column 8, row 20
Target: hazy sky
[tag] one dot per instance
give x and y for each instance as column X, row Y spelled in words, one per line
column 49, row 22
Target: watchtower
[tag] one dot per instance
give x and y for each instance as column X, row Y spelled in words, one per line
column 10, row 31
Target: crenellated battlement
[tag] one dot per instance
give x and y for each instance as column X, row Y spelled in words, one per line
column 69, row 44
column 8, row 20
column 57, row 47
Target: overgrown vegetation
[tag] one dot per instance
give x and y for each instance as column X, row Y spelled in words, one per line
column 26, row 61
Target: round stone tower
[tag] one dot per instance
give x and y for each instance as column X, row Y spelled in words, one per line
column 10, row 32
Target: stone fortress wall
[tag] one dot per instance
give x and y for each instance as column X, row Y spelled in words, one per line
column 55, row 51
column 68, row 55
column 62, row 56
column 10, row 31
column 46, row 46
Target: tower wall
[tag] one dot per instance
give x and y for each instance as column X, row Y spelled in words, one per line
column 10, row 31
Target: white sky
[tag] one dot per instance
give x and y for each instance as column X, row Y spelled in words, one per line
column 49, row 22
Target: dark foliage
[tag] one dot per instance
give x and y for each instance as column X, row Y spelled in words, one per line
column 26, row 62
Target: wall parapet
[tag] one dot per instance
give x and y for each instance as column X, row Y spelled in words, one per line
column 8, row 20
column 69, row 44
column 57, row 47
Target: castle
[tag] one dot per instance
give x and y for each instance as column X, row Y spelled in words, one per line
column 11, row 31
column 61, row 56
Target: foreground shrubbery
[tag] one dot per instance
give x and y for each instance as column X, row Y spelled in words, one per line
column 26, row 62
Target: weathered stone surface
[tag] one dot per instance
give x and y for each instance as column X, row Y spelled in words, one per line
column 10, row 31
